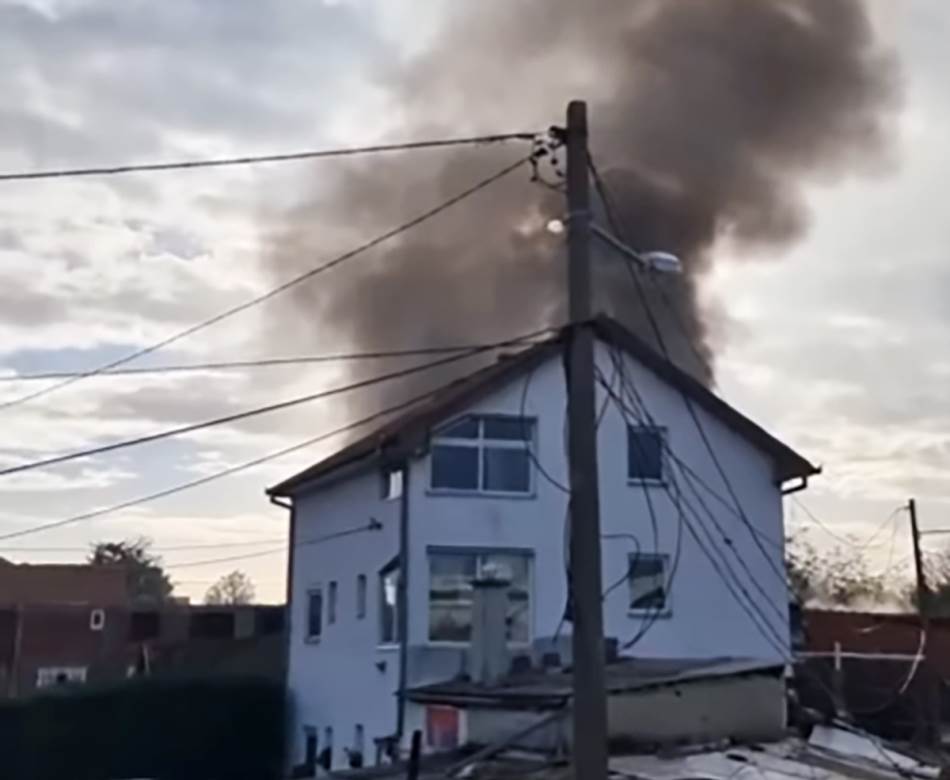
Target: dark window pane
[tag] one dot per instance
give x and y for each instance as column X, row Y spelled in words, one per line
column 466, row 428
column 455, row 467
column 508, row 428
column 645, row 453
column 211, row 625
column 506, row 469
column 315, row 613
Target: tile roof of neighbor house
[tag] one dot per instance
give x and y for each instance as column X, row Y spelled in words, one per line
column 457, row 395
column 26, row 584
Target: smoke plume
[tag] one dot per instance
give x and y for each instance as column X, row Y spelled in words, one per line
column 707, row 119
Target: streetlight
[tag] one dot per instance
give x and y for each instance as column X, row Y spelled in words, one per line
column 661, row 262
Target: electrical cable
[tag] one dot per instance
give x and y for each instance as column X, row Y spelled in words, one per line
column 640, row 412
column 230, row 418
column 163, row 549
column 249, row 363
column 601, row 188
column 224, row 472
column 843, row 539
column 372, row 526
column 274, row 291
column 222, row 162
column 749, row 605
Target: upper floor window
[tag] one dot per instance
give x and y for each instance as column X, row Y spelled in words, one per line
column 483, row 454
column 391, row 483
column 647, row 579
column 645, row 453
column 360, row 596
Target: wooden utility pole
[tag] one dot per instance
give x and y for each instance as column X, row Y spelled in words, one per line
column 931, row 693
column 590, row 700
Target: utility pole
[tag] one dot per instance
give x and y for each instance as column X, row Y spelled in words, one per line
column 590, row 700
column 931, row 693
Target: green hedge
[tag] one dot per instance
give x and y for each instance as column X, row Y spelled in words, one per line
column 214, row 730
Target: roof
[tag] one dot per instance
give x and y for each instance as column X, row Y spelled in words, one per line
column 550, row 689
column 458, row 395
column 27, row 584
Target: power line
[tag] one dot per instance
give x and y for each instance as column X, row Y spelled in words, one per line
column 602, row 189
column 860, row 546
column 310, row 274
column 237, row 416
column 340, row 357
column 222, row 162
column 373, row 525
column 163, row 549
column 223, row 473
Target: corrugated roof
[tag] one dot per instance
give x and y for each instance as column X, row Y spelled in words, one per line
column 456, row 396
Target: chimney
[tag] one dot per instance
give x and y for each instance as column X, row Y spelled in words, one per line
column 488, row 654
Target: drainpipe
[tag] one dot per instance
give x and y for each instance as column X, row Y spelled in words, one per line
column 402, row 602
column 290, row 506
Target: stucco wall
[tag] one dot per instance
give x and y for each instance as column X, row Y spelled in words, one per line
column 336, row 682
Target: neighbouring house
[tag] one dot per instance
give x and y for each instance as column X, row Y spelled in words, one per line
column 398, row 539
column 72, row 624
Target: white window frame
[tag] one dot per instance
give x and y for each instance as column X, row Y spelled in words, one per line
column 481, row 443
column 667, row 609
column 660, row 431
column 388, row 570
column 46, row 675
column 314, row 590
column 97, row 619
column 479, row 552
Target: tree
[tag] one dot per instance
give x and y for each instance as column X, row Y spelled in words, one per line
column 233, row 588
column 147, row 581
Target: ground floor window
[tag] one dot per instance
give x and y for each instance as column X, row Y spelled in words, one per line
column 647, row 578
column 451, row 573
column 389, row 603
column 48, row 676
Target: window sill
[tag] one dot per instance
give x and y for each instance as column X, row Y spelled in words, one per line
column 452, row 493
column 646, row 483
column 388, row 647
column 311, row 640
column 663, row 614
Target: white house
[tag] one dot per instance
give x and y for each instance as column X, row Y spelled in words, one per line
column 472, row 482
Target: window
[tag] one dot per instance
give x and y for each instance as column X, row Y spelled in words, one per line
column 392, row 484
column 450, row 592
column 97, row 619
column 647, row 578
column 331, row 604
column 645, row 454
column 389, row 603
column 314, row 613
column 360, row 596
column 49, row 676
column 483, row 454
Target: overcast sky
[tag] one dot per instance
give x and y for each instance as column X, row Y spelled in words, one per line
column 838, row 345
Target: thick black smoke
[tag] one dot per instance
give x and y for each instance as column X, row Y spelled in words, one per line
column 707, row 118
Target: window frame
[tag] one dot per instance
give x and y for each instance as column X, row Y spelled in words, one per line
column 662, row 612
column 392, row 568
column 46, row 676
column 309, row 637
column 479, row 552
column 662, row 432
column 333, row 596
column 361, row 596
column 481, row 444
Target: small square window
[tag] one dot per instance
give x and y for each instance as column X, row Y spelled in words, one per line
column 314, row 613
column 392, row 484
column 647, row 578
column 645, row 454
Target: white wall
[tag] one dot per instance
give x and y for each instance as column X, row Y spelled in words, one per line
column 335, row 682
column 705, row 619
